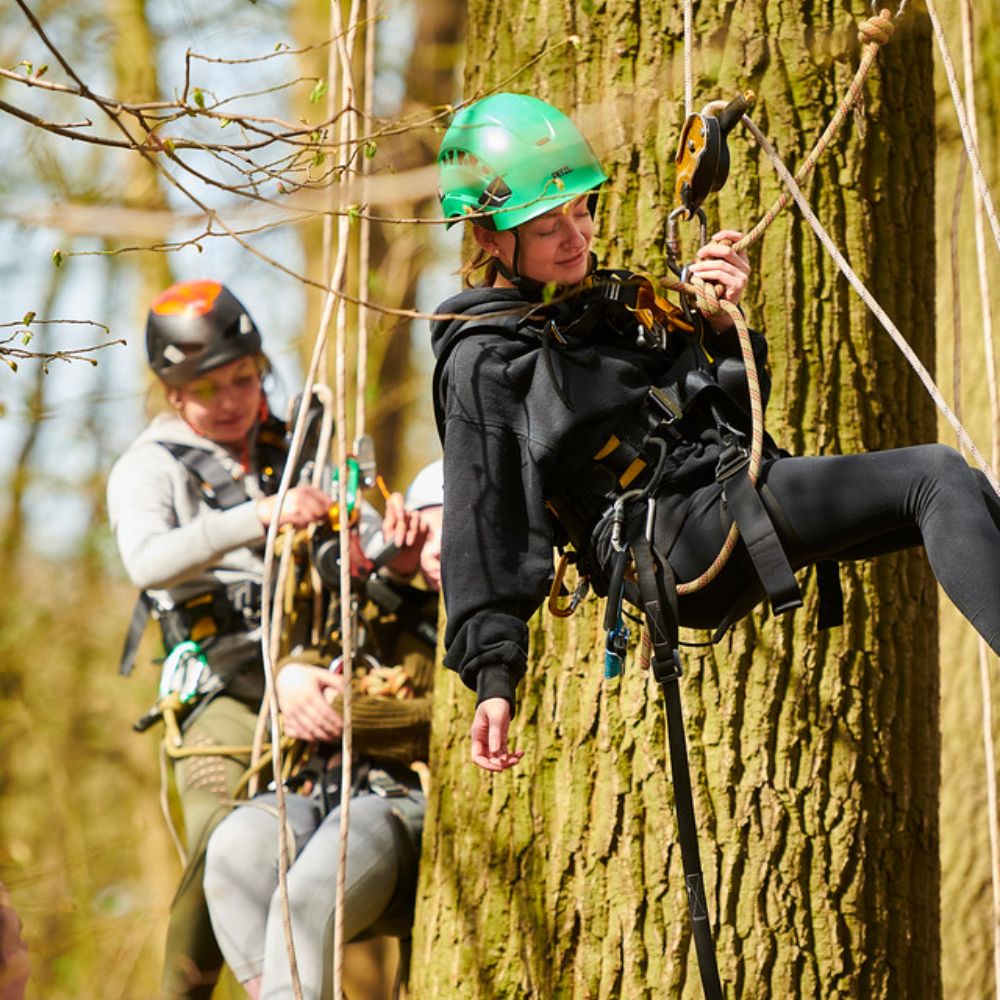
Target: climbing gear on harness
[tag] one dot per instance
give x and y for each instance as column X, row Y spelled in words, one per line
column 509, row 158
column 184, row 669
column 566, row 558
column 195, row 326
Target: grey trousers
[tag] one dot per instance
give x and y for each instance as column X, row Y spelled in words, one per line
column 241, row 885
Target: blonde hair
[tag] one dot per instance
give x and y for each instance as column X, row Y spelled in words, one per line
column 479, row 259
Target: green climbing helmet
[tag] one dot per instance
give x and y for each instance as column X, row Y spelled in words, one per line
column 515, row 157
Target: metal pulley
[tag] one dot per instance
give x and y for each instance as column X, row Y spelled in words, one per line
column 702, row 162
column 703, row 155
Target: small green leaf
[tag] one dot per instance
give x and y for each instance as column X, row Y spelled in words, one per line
column 28, row 317
column 549, row 292
column 225, row 123
column 318, row 92
column 26, row 336
column 11, row 364
column 318, row 158
column 370, row 150
column 168, row 145
column 57, row 258
column 353, row 212
column 198, row 96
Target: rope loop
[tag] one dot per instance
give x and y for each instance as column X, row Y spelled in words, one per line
column 876, row 30
column 707, row 295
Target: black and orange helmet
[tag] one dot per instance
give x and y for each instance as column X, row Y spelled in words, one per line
column 195, row 326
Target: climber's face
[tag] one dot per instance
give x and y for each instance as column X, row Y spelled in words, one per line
column 552, row 248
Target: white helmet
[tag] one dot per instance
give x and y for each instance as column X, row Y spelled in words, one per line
column 427, row 488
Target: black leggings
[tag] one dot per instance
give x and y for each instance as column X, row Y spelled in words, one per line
column 846, row 507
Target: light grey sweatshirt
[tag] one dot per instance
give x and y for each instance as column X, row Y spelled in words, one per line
column 174, row 545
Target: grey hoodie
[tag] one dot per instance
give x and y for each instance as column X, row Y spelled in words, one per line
column 174, row 546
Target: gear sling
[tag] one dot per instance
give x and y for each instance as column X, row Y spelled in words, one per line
column 634, row 456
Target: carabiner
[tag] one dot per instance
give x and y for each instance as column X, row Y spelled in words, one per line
column 556, row 609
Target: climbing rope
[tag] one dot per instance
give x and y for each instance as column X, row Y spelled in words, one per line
column 971, row 148
column 873, row 305
column 873, row 33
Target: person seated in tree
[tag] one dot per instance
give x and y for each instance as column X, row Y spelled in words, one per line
column 561, row 391
column 189, row 503
column 391, row 713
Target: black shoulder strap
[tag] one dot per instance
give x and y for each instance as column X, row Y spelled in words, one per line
column 137, row 625
column 220, row 491
column 217, row 486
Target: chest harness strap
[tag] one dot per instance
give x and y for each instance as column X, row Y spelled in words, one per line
column 217, row 612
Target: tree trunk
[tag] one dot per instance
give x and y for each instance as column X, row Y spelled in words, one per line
column 814, row 755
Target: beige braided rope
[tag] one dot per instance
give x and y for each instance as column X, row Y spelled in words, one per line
column 873, row 34
column 708, row 302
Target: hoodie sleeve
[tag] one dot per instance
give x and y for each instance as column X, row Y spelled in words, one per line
column 157, row 551
column 496, row 540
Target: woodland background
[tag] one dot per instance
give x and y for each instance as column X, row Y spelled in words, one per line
column 83, row 847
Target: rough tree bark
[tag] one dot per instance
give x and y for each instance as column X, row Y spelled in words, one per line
column 815, row 755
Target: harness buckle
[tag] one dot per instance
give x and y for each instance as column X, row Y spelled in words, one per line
column 385, row 786
column 668, row 670
column 732, row 458
column 670, row 409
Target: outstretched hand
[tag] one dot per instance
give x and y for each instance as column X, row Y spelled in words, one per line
column 719, row 263
column 489, row 736
column 403, row 528
column 302, row 506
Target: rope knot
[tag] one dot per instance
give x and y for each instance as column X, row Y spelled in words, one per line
column 876, row 30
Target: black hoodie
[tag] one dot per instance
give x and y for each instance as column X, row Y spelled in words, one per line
column 521, row 408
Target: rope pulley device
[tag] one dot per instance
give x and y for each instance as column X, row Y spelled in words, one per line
column 702, row 165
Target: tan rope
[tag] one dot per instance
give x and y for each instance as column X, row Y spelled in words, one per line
column 348, row 128
column 873, row 305
column 710, row 304
column 873, row 34
column 688, row 70
column 364, row 230
column 970, row 143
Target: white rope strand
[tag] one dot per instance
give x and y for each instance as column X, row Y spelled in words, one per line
column 688, row 69
column 872, row 304
column 348, row 131
column 970, row 143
